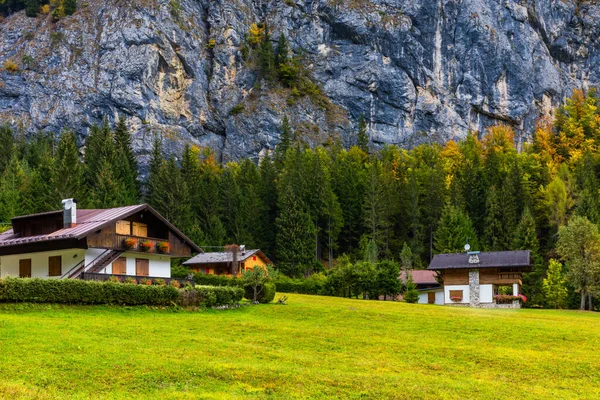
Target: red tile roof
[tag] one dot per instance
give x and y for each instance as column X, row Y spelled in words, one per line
column 421, row 277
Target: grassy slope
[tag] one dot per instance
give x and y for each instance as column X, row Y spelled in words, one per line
column 314, row 347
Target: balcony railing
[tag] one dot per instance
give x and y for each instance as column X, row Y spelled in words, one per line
column 92, row 276
column 142, row 244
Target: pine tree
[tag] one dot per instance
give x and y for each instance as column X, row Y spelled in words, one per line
column 266, row 56
column 175, row 204
column 126, row 165
column 525, row 238
column 7, row 147
column 493, row 233
column 40, row 193
column 588, row 204
column 155, row 185
column 295, row 236
column 12, row 185
column 285, row 141
column 411, row 295
column 105, row 192
column 70, row 6
column 454, row 231
column 387, row 273
column 67, row 175
column 267, row 193
column 554, row 286
column 32, row 8
column 282, row 51
column 362, row 136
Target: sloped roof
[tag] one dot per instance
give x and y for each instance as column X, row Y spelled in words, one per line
column 491, row 259
column 225, row 257
column 421, row 277
column 88, row 221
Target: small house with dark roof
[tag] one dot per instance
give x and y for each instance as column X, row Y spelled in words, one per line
column 481, row 279
column 131, row 241
column 426, row 281
column 232, row 262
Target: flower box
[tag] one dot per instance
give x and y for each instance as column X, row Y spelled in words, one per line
column 129, row 243
column 162, row 247
column 509, row 298
column 456, row 299
column 145, row 246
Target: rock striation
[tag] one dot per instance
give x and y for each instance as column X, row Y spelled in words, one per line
column 418, row 70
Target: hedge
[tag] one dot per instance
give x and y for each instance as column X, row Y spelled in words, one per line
column 301, row 286
column 266, row 295
column 211, row 296
column 75, row 291
column 216, row 280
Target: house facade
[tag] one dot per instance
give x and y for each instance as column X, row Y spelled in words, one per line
column 430, row 290
column 222, row 263
column 90, row 244
column 477, row 279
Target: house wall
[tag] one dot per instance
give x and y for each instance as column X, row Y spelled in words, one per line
column 486, row 293
column 464, row 288
column 9, row 265
column 439, row 297
column 159, row 265
column 254, row 261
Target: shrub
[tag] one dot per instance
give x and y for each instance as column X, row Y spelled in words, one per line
column 211, row 44
column 175, row 283
column 75, row 291
column 266, row 292
column 180, row 272
column 145, row 281
column 130, row 280
column 159, row 282
column 210, row 296
column 11, row 66
column 216, row 280
column 237, row 109
column 315, row 284
column 114, row 279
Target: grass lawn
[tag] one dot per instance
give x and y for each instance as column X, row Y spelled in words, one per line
column 315, row 347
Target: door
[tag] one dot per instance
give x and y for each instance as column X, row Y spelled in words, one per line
column 25, row 268
column 142, row 267
column 119, row 266
column 431, row 298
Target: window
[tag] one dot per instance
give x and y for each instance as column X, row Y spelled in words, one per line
column 25, row 268
column 139, row 229
column 123, row 228
column 142, row 267
column 253, row 258
column 119, row 266
column 55, row 266
column 456, row 295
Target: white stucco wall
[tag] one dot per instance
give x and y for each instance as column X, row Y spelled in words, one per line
column 159, row 265
column 9, row 265
column 439, row 297
column 464, row 288
column 486, row 293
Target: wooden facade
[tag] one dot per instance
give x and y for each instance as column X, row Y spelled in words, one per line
column 487, row 276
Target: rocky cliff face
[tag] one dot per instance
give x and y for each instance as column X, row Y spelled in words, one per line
column 418, row 70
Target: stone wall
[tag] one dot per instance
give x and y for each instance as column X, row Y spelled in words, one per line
column 474, row 287
column 514, row 304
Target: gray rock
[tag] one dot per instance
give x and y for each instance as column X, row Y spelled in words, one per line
column 418, row 70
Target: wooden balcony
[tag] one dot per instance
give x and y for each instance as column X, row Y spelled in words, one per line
column 508, row 278
column 119, row 244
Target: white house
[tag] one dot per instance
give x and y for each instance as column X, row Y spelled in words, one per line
column 475, row 279
column 430, row 290
column 92, row 244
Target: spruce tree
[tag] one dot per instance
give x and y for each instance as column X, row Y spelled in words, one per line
column 12, row 185
column 282, row 52
column 525, row 238
column 362, row 136
column 7, row 146
column 493, row 234
column 411, row 295
column 105, row 192
column 454, row 231
column 67, row 170
column 555, row 286
column 156, row 187
column 266, row 56
column 268, row 196
column 285, row 141
column 70, row 6
column 296, row 244
column 32, row 8
column 126, row 165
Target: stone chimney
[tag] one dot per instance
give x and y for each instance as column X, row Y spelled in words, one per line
column 69, row 213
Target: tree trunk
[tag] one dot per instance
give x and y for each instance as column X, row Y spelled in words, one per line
column 590, row 306
column 582, row 307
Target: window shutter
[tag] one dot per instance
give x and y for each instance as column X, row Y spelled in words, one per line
column 55, row 266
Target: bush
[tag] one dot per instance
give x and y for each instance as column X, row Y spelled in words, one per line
column 315, row 284
column 74, row 291
column 216, row 280
column 11, row 67
column 211, row 296
column 266, row 293
column 180, row 272
column 159, row 282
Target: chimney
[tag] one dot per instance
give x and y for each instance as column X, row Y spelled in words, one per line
column 69, row 213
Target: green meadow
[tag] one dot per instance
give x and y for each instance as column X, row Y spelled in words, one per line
column 314, row 347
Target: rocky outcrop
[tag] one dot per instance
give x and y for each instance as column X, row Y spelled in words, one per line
column 418, row 70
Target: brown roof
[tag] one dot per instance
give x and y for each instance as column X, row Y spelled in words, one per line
column 491, row 259
column 88, row 221
column 421, row 277
column 225, row 257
